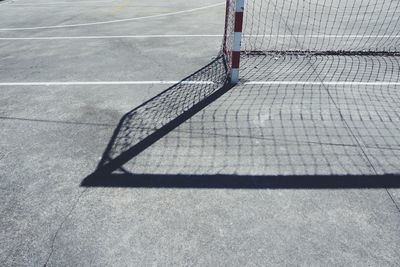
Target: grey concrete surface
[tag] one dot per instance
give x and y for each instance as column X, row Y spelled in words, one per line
column 52, row 137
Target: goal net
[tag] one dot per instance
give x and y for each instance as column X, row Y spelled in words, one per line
column 316, row 27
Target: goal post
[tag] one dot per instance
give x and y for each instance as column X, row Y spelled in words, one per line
column 233, row 37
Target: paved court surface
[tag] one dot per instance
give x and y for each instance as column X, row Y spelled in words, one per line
column 59, row 106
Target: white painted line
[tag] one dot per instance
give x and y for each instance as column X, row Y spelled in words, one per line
column 319, row 83
column 193, row 82
column 322, row 36
column 113, row 21
column 57, row 3
column 102, row 83
column 187, row 36
column 114, row 37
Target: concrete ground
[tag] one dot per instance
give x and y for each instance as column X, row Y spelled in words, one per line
column 58, row 111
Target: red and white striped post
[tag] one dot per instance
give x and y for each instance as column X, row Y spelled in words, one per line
column 237, row 38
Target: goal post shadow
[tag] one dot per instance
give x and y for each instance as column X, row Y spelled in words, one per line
column 221, row 181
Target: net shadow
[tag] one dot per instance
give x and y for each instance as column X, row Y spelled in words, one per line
column 279, row 135
column 144, row 125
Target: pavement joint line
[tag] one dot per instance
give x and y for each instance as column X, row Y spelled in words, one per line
column 57, row 121
column 114, row 21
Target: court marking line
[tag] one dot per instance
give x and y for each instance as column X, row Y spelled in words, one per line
column 112, row 37
column 191, row 82
column 322, row 36
column 113, row 21
column 16, row 3
column 102, row 83
column 185, row 36
column 318, row 83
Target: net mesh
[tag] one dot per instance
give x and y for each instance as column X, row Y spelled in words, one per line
column 329, row 71
column 321, row 25
column 319, row 94
column 142, row 126
column 289, row 128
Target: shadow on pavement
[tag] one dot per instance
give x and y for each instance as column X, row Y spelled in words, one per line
column 247, row 128
column 149, row 122
column 241, row 182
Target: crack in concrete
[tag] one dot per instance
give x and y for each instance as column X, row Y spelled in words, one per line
column 61, row 226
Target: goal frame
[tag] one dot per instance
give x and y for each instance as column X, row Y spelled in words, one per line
column 232, row 48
